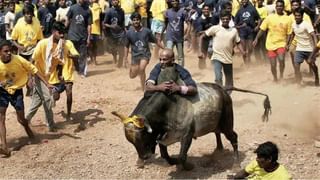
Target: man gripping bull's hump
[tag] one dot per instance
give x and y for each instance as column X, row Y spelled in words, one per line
column 165, row 115
column 166, row 58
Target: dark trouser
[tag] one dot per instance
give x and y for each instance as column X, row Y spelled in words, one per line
column 81, row 62
column 227, row 69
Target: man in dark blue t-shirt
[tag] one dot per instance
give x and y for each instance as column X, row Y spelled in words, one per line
column 115, row 31
column 174, row 26
column 189, row 86
column 205, row 21
column 246, row 22
column 138, row 38
column 79, row 21
column 46, row 18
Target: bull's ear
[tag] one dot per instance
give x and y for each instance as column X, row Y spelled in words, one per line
column 122, row 117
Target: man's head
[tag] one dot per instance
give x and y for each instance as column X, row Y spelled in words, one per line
column 115, row 3
column 227, row 6
column 175, row 3
column 260, row 3
column 244, row 2
column 58, row 30
column 206, row 10
column 295, row 4
column 1, row 4
column 28, row 13
column 298, row 15
column 166, row 58
column 62, row 3
column 279, row 7
column 200, row 1
column 136, row 19
column 27, row 2
column 81, row 1
column 12, row 6
column 225, row 18
column 267, row 154
column 5, row 51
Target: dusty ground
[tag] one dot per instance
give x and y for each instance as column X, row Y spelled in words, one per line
column 94, row 145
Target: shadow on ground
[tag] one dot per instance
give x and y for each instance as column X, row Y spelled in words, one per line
column 85, row 119
column 243, row 102
column 204, row 166
column 98, row 72
column 17, row 144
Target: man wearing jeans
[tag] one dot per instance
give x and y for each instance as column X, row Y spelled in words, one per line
column 174, row 25
column 225, row 38
column 79, row 21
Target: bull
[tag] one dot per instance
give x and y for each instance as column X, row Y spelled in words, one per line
column 165, row 118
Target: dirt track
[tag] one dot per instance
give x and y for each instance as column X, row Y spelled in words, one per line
column 94, row 145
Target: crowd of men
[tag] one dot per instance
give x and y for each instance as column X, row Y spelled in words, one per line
column 50, row 39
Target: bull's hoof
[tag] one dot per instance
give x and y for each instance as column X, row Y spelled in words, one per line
column 187, row 166
column 236, row 167
column 172, row 161
column 140, row 163
column 5, row 152
column 219, row 149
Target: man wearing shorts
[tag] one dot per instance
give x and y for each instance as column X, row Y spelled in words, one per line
column 115, row 31
column 279, row 28
column 174, row 27
column 14, row 71
column 245, row 21
column 138, row 38
column 306, row 40
column 158, row 8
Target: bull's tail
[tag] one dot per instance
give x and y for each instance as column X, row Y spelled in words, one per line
column 266, row 103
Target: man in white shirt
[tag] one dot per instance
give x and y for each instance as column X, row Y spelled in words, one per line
column 225, row 38
column 9, row 19
column 306, row 41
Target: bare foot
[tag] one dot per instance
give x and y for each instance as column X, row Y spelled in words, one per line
column 29, row 132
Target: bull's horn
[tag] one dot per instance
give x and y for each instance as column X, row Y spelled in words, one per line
column 147, row 125
column 122, row 117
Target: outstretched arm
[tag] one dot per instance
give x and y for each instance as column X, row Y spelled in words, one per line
column 44, row 80
column 240, row 175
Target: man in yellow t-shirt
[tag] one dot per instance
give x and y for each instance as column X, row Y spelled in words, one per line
column 279, row 28
column 265, row 167
column 27, row 32
column 259, row 51
column 14, row 72
column 141, row 7
column 48, row 55
column 128, row 7
column 95, row 30
column 158, row 8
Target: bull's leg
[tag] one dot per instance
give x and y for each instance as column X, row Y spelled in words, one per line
column 165, row 155
column 219, row 142
column 185, row 145
column 227, row 126
column 233, row 138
